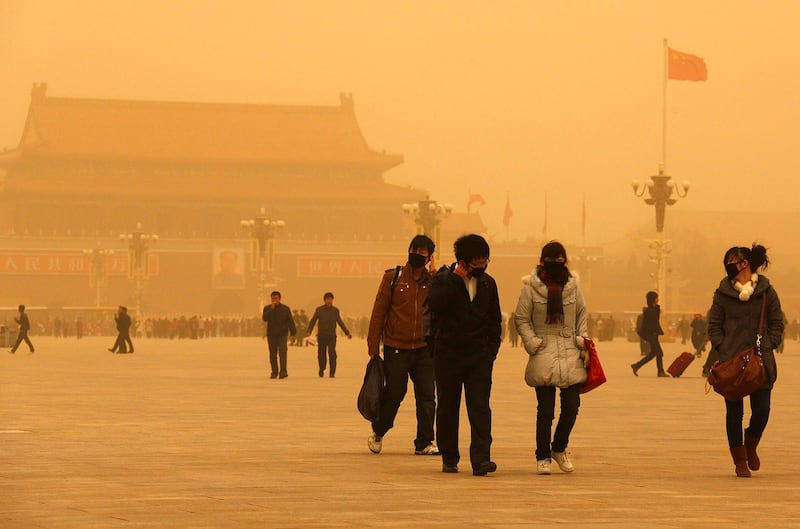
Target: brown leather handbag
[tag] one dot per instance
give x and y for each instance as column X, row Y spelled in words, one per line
column 743, row 374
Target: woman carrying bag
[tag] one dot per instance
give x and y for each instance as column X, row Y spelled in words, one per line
column 733, row 326
column 551, row 321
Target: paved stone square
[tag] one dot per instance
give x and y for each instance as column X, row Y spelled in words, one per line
column 194, row 434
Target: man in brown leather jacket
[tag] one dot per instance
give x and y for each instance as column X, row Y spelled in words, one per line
column 397, row 321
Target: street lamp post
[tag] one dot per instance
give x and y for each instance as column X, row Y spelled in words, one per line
column 262, row 249
column 660, row 194
column 97, row 269
column 138, row 250
column 428, row 216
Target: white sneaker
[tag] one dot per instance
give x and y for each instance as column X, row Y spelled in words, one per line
column 563, row 461
column 430, row 450
column 543, row 466
column 375, row 443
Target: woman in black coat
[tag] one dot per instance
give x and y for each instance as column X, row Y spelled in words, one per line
column 733, row 327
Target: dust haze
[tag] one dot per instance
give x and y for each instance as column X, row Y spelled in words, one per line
column 526, row 103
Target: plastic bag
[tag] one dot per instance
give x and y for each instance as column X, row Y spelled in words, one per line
column 369, row 398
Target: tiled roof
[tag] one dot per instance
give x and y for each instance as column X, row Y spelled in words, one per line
column 203, row 132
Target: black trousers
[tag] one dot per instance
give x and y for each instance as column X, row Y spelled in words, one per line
column 326, row 348
column 759, row 415
column 474, row 374
column 278, row 347
column 23, row 335
column 123, row 343
column 545, row 413
column 398, row 366
column 655, row 352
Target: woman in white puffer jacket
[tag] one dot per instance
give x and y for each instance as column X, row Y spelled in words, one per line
column 551, row 320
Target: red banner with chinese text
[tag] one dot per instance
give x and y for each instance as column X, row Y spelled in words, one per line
column 67, row 264
column 344, row 266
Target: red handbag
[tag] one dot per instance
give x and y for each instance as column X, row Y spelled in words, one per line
column 594, row 373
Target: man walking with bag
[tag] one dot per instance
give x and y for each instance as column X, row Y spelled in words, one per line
column 397, row 321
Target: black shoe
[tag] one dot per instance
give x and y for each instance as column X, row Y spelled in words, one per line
column 484, row 468
column 333, row 376
column 112, row 351
column 274, row 375
column 284, row 375
column 664, row 374
column 11, row 351
column 450, row 469
column 321, row 373
column 635, row 369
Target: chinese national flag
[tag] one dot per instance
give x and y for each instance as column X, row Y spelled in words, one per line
column 507, row 213
column 473, row 199
column 684, row 67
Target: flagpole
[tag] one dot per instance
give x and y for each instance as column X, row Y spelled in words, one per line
column 662, row 169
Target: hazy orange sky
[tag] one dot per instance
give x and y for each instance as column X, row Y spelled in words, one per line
column 507, row 97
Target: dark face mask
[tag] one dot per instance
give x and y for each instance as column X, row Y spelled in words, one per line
column 416, row 260
column 477, row 272
column 555, row 270
column 732, row 270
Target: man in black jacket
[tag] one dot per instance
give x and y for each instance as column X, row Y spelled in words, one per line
column 123, row 342
column 280, row 325
column 24, row 327
column 465, row 307
column 649, row 332
column 328, row 317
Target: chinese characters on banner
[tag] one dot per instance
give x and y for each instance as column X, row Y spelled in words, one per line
column 66, row 264
column 344, row 266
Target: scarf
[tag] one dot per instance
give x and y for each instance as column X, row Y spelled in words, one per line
column 746, row 290
column 555, row 301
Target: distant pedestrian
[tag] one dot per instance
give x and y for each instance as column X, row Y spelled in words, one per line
column 328, row 317
column 123, row 343
column 279, row 326
column 513, row 334
column 24, row 326
column 650, row 331
column 699, row 327
column 684, row 329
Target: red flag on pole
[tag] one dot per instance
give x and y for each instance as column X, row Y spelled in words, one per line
column 475, row 198
column 685, row 67
column 507, row 213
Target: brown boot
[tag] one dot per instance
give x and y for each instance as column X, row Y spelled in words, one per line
column 739, row 455
column 750, row 444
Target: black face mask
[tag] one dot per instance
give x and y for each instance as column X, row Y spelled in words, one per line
column 554, row 269
column 416, row 260
column 732, row 270
column 477, row 272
